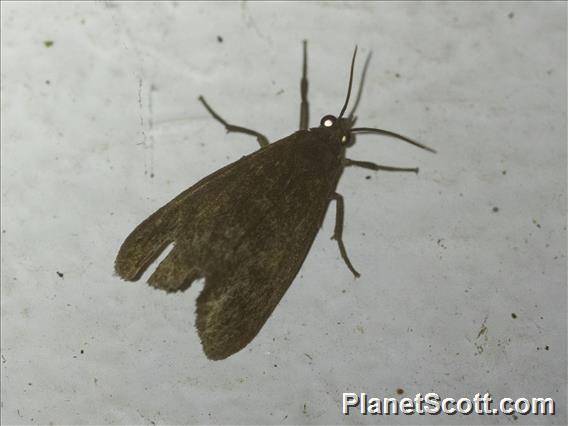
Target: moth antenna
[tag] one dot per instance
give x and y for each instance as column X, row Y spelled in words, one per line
column 361, row 84
column 350, row 84
column 392, row 134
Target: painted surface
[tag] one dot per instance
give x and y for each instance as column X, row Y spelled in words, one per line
column 463, row 286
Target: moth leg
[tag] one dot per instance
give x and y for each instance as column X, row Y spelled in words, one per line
column 338, row 232
column 304, row 106
column 368, row 165
column 262, row 140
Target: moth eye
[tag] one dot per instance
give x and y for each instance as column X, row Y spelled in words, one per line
column 328, row 121
column 345, row 138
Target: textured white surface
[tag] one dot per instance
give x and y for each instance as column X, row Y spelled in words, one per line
column 118, row 131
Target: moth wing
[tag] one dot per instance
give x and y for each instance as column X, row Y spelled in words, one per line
column 155, row 233
column 246, row 229
column 237, row 300
column 270, row 232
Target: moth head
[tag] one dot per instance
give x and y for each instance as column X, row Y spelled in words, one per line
column 340, row 128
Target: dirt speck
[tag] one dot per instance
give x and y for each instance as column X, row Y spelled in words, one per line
column 514, row 315
column 481, row 338
column 48, row 43
column 399, row 391
column 483, row 329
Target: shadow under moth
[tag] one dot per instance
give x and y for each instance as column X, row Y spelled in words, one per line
column 247, row 228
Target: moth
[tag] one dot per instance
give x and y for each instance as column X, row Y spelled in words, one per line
column 247, row 228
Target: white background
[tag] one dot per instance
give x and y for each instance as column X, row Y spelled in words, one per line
column 103, row 127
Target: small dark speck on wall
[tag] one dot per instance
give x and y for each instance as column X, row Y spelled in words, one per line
column 511, row 15
column 60, row 274
column 400, row 391
column 368, row 177
column 495, row 209
column 220, row 39
column 514, row 315
column 48, row 43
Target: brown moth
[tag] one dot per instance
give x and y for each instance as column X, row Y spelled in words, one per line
column 248, row 227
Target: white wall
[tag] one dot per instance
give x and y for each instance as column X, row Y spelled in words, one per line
column 443, row 274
